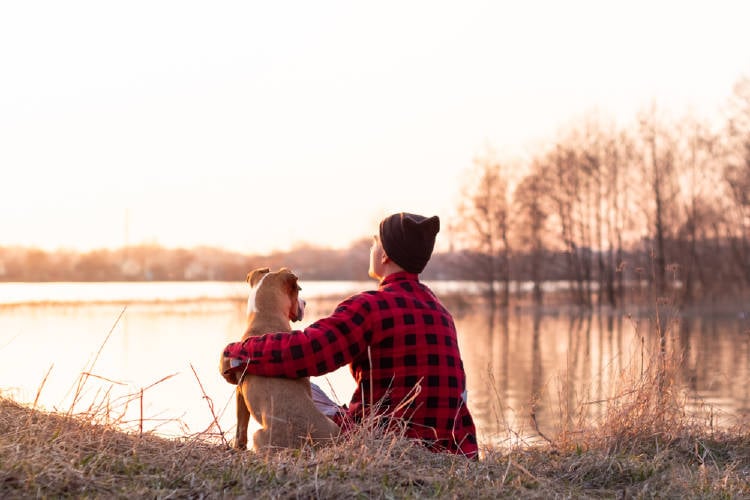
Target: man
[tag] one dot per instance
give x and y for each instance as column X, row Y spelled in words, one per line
column 399, row 340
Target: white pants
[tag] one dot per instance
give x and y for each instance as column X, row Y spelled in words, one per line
column 323, row 402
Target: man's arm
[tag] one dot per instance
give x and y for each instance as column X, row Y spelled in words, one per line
column 320, row 348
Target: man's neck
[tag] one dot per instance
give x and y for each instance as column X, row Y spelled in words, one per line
column 391, row 268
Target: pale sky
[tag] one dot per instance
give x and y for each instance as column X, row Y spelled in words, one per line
column 259, row 125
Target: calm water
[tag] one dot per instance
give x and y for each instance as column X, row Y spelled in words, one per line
column 152, row 352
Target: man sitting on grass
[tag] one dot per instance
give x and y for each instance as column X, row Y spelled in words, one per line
column 399, row 341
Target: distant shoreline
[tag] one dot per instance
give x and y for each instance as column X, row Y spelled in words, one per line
column 458, row 296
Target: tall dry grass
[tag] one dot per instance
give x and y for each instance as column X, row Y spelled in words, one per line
column 56, row 455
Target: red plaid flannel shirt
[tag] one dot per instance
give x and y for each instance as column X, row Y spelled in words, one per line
column 402, row 347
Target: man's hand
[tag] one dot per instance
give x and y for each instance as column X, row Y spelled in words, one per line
column 234, row 359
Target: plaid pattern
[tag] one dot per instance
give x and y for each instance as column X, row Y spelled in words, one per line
column 402, row 347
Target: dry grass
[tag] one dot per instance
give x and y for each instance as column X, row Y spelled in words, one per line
column 639, row 450
column 643, row 446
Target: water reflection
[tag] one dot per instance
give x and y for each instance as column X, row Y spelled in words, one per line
column 558, row 366
column 563, row 369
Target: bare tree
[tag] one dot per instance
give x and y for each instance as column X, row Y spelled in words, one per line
column 604, row 193
column 588, row 184
column 699, row 174
column 737, row 176
column 561, row 167
column 482, row 226
column 660, row 191
column 618, row 191
column 531, row 209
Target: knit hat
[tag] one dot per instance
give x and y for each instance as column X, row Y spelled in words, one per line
column 408, row 239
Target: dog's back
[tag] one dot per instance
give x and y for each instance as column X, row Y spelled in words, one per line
column 284, row 407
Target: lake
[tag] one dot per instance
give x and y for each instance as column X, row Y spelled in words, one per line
column 151, row 353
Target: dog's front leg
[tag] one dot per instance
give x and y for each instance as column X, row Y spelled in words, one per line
column 243, row 418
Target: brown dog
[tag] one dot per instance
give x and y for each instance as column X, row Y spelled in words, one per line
column 284, row 407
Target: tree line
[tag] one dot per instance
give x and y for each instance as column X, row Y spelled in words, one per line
column 157, row 263
column 663, row 201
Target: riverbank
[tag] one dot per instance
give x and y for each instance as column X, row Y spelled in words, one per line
column 53, row 455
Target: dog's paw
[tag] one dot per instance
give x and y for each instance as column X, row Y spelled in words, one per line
column 236, row 446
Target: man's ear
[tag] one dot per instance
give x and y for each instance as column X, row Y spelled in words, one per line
column 254, row 276
column 384, row 259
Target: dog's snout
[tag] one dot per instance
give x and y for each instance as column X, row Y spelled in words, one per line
column 300, row 308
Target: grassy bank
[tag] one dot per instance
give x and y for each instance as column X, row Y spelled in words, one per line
column 642, row 451
column 644, row 444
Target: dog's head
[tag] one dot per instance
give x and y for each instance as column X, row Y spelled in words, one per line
column 275, row 293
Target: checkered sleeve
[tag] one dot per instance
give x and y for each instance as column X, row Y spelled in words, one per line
column 320, row 348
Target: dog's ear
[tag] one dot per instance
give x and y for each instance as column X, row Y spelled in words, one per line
column 254, row 276
column 290, row 279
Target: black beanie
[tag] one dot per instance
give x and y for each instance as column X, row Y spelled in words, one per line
column 408, row 239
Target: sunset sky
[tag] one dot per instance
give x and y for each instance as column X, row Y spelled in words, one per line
column 260, row 125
